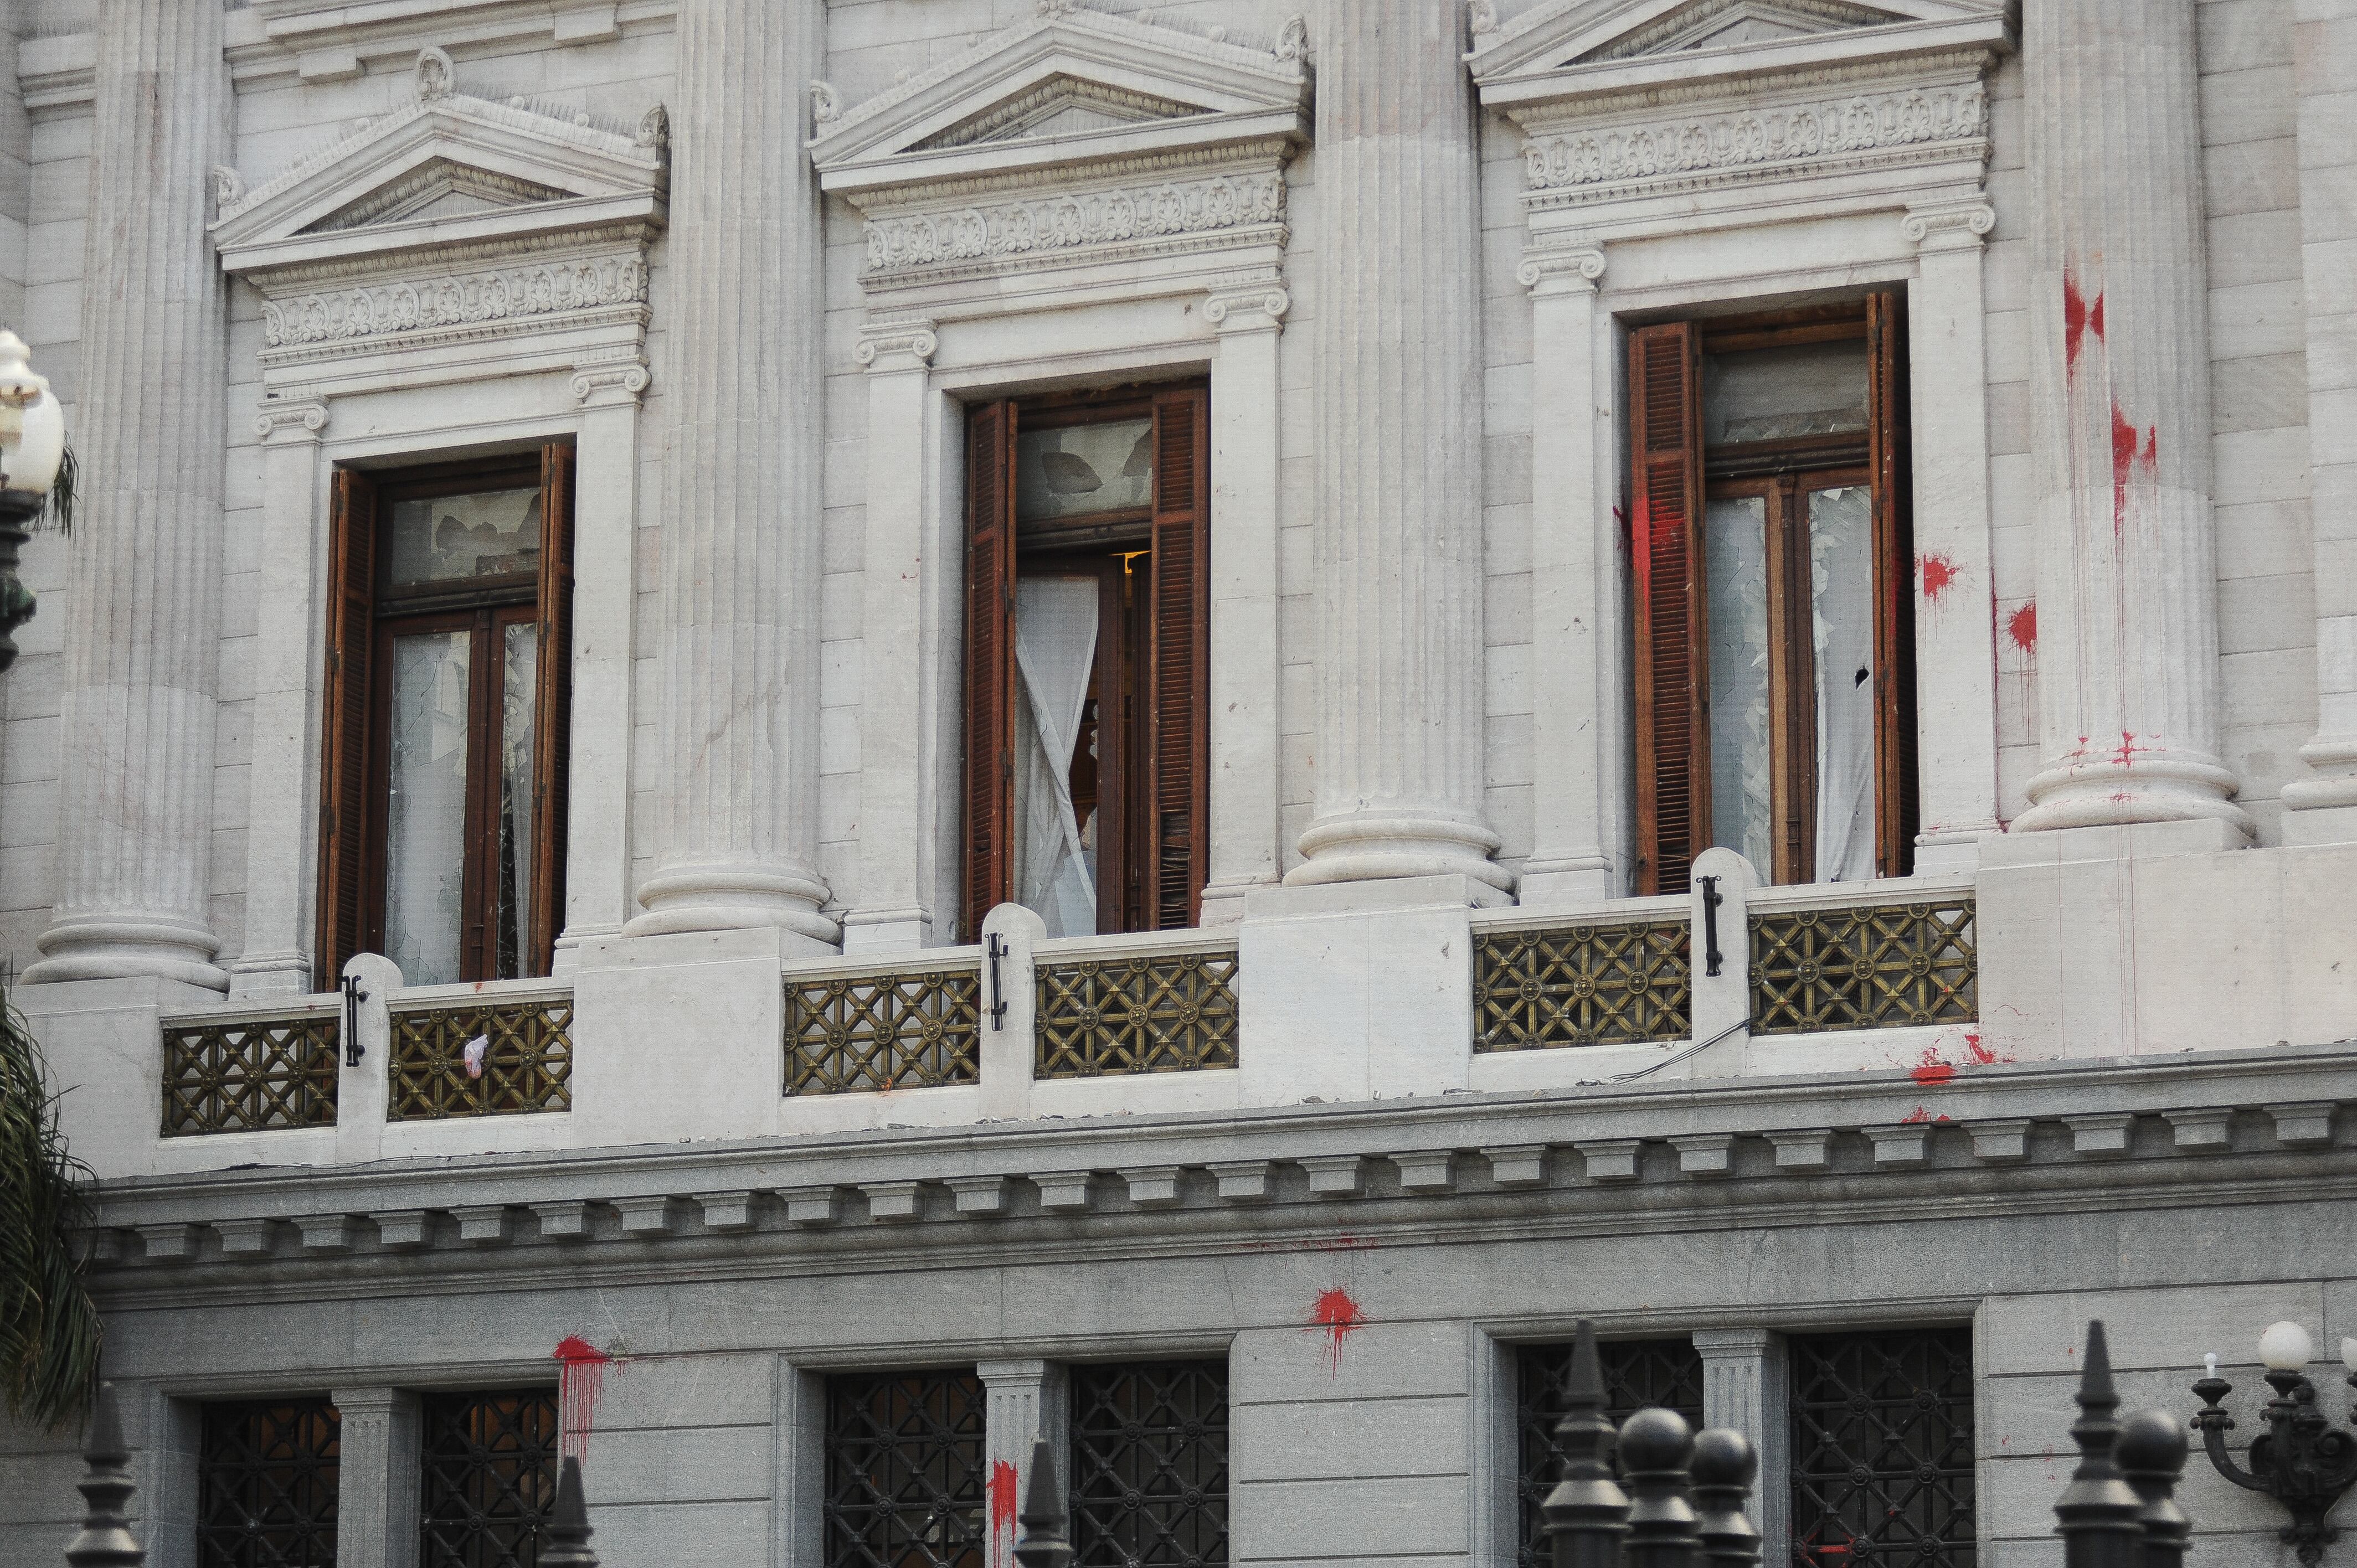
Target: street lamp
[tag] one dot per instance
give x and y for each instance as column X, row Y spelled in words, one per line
column 2300, row 1460
column 32, row 443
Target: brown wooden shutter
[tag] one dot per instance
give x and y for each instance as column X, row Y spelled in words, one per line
column 552, row 760
column 1672, row 648
column 1179, row 674
column 989, row 662
column 1890, row 445
column 342, row 922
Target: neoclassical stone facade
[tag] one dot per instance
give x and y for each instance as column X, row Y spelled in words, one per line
column 1022, row 700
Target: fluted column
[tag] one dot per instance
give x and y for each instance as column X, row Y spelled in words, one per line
column 1399, row 451
column 136, row 786
column 2120, row 382
column 737, row 809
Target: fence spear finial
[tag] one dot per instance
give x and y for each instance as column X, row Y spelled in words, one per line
column 1043, row 1544
column 105, row 1540
column 2097, row 1514
column 1587, row 1513
column 565, row 1539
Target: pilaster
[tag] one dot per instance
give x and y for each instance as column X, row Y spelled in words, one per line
column 2120, row 420
column 1745, row 1385
column 1028, row 1400
column 1399, row 444
column 378, row 1478
column 1248, row 313
column 736, row 827
column 136, row 789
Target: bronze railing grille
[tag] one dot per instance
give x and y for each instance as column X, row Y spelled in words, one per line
column 859, row 1033
column 1863, row 966
column 1589, row 984
column 1165, row 1012
column 249, row 1075
column 527, row 1065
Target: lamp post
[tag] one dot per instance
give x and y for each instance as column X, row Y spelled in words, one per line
column 2300, row 1460
column 32, row 443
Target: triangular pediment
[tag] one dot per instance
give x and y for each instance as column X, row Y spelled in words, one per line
column 1066, row 88
column 1591, row 45
column 446, row 169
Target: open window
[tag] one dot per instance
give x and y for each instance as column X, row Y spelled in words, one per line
column 1087, row 620
column 1774, row 604
column 449, row 682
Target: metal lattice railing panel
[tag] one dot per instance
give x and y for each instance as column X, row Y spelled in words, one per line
column 490, row 1478
column 904, row 1470
column 1149, row 1466
column 1624, row 984
column 267, row 1475
column 851, row 1034
column 1882, row 1449
column 1164, row 1012
column 250, row 1075
column 1637, row 1373
column 1863, row 966
column 527, row 1062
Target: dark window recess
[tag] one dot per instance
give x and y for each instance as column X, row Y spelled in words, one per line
column 1149, row 1466
column 266, row 1475
column 1637, row 1373
column 490, row 1478
column 1882, row 1449
column 904, row 1470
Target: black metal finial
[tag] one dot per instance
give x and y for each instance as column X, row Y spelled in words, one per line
column 1656, row 1447
column 1043, row 1544
column 565, row 1539
column 1587, row 1513
column 1723, row 1467
column 2152, row 1454
column 2097, row 1513
column 105, row 1540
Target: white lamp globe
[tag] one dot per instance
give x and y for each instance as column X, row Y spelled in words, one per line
column 33, row 463
column 2284, row 1346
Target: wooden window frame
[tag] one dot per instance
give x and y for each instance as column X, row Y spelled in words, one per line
column 1160, row 836
column 366, row 612
column 1675, row 474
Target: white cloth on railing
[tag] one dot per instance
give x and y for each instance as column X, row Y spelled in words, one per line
column 1056, row 650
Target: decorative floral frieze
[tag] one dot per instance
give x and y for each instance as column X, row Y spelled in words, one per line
column 1217, row 204
column 453, row 299
column 1740, row 141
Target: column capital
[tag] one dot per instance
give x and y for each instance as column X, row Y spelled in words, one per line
column 897, row 341
column 1571, row 269
column 608, row 384
column 1714, row 1344
column 1954, row 223
column 280, row 421
column 1249, row 302
column 372, row 1401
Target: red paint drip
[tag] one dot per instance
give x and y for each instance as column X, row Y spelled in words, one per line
column 1002, row 1488
column 1939, row 576
column 1982, row 1055
column 2127, row 749
column 2022, row 627
column 1918, row 1115
column 580, row 1379
column 2079, row 317
column 1336, row 1314
column 2130, row 446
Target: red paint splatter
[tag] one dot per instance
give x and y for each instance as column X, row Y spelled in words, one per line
column 1335, row 1316
column 1918, row 1115
column 2079, row 317
column 1001, row 1489
column 1981, row 1054
column 2127, row 748
column 2131, row 447
column 1930, row 1074
column 1939, row 576
column 2022, row 627
column 580, row 1379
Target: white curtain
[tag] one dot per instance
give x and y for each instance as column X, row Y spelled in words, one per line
column 1055, row 650
column 1841, row 569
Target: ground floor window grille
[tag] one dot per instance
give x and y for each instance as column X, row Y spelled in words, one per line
column 490, row 1478
column 1637, row 1373
column 1149, row 1466
column 1882, row 1450
column 904, row 1470
column 266, row 1479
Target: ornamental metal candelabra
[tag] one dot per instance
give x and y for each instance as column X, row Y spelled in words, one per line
column 2301, row 1460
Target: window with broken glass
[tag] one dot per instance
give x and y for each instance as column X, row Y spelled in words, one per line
column 904, row 1470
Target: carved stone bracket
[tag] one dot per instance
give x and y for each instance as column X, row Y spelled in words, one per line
column 602, row 384
column 298, row 419
column 1564, row 269
column 896, row 342
column 1958, row 224
column 1249, row 302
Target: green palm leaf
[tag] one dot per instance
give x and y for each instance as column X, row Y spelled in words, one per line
column 50, row 1330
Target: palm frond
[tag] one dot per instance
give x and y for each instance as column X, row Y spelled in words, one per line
column 58, row 510
column 50, row 1330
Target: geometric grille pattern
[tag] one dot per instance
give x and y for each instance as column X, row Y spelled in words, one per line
column 1638, row 1373
column 250, row 1076
column 490, row 1478
column 1165, row 1012
column 266, row 1475
column 527, row 1067
column 1863, row 967
column 1149, row 1468
column 904, row 1468
column 852, row 1033
column 1882, row 1450
column 1582, row 985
